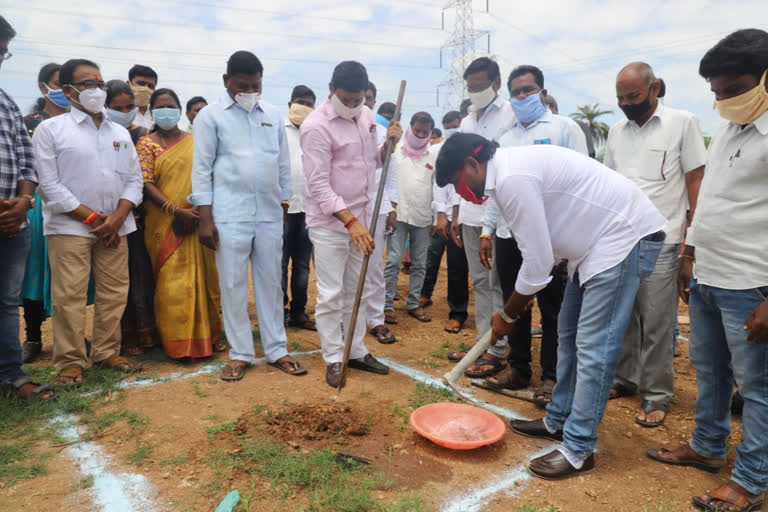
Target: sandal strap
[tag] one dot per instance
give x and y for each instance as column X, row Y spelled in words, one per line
column 650, row 406
column 23, row 381
column 72, row 371
column 729, row 494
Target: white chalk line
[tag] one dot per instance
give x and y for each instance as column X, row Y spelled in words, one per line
column 475, row 498
column 122, row 492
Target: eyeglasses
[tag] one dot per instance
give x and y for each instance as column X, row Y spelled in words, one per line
column 5, row 54
column 91, row 84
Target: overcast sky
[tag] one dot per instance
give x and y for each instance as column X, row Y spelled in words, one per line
column 579, row 44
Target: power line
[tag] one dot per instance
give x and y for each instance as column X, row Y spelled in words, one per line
column 253, row 31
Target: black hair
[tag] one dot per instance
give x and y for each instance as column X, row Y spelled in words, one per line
column 491, row 67
column 350, row 76
column 437, row 132
column 456, row 149
column 6, row 30
column 744, row 52
column 44, row 76
column 372, row 87
column 194, row 101
column 463, row 108
column 538, row 76
column 424, row 118
column 386, row 108
column 302, row 91
column 139, row 70
column 662, row 87
column 117, row 87
column 450, row 117
column 161, row 92
column 244, row 62
column 67, row 71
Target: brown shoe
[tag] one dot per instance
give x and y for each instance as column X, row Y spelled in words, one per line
column 420, row 315
column 554, row 466
column 685, row 456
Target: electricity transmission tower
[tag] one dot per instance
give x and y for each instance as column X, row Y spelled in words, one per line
column 458, row 51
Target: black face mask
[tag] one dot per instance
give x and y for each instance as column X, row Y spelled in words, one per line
column 637, row 110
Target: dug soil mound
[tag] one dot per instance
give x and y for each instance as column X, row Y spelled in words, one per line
column 316, row 422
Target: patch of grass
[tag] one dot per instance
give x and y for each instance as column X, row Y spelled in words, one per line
column 442, row 352
column 12, row 467
column 175, row 461
column 425, row 394
column 218, row 429
column 213, row 417
column 400, row 415
column 294, row 346
column 665, row 506
column 430, row 363
column 198, row 391
column 536, row 345
column 530, row 508
column 140, row 454
column 256, row 338
column 85, row 482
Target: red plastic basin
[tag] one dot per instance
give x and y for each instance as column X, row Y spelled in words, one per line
column 457, row 426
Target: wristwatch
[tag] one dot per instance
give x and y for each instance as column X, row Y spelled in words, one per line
column 31, row 200
column 504, row 316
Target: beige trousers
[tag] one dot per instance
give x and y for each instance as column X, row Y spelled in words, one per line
column 71, row 258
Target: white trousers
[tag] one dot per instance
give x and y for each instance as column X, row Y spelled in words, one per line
column 375, row 277
column 262, row 244
column 337, row 267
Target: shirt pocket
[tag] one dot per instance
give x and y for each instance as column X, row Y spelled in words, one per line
column 652, row 163
column 266, row 137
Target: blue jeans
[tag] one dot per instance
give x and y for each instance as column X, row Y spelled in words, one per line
column 720, row 354
column 297, row 248
column 14, row 255
column 395, row 247
column 593, row 318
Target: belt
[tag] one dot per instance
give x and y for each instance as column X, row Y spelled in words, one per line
column 658, row 236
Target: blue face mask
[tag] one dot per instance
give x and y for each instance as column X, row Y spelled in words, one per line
column 449, row 131
column 528, row 109
column 166, row 118
column 57, row 97
column 124, row 119
column 383, row 121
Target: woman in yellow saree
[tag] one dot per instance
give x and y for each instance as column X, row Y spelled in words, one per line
column 187, row 297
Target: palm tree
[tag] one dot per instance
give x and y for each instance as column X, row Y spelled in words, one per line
column 588, row 114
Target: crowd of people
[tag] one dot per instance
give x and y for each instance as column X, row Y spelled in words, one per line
column 108, row 200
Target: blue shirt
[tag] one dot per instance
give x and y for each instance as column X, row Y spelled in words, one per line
column 547, row 129
column 242, row 164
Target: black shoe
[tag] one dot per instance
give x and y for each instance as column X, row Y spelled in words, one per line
column 30, row 350
column 554, row 466
column 534, row 428
column 369, row 364
column 332, row 374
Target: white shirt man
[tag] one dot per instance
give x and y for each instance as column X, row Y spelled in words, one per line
column 663, row 153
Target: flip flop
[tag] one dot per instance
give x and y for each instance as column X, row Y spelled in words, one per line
column 302, row 322
column 458, row 355
column 72, row 371
column 546, row 388
column 648, row 407
column 497, row 367
column 297, row 368
column 229, row 372
column 420, row 315
column 452, row 326
column 383, row 335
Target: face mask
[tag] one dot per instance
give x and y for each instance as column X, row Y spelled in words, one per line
column 638, row 110
column 449, row 131
column 91, row 100
column 467, row 193
column 528, row 109
column 745, row 108
column 298, row 113
column 482, row 99
column 57, row 97
column 166, row 118
column 413, row 147
column 343, row 110
column 383, row 121
column 124, row 119
column 247, row 100
column 141, row 95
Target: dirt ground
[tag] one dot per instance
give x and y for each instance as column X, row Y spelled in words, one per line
column 189, row 419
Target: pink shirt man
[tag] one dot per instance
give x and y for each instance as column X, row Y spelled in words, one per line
column 340, row 158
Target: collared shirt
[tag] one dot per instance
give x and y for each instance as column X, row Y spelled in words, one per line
column 564, row 205
column 242, row 164
column 390, row 195
column 548, row 129
column 297, row 168
column 144, row 120
column 78, row 163
column 496, row 120
column 444, row 199
column 415, row 181
column 656, row 157
column 16, row 158
column 340, row 160
column 729, row 228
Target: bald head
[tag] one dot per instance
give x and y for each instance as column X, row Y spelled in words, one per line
column 637, row 91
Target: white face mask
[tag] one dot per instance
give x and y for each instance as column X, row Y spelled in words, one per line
column 248, row 100
column 483, row 98
column 92, row 100
column 343, row 110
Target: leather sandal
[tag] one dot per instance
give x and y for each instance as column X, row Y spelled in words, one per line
column 495, row 364
column 13, row 389
column 650, row 406
column 389, row 317
column 68, row 376
column 420, row 315
column 121, row 364
column 234, row 370
column 730, row 497
column 685, row 456
column 543, row 394
column 289, row 366
column 383, row 335
column 452, row 326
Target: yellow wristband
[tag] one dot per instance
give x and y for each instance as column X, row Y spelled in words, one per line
column 486, row 237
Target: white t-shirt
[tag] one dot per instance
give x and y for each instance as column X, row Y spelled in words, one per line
column 730, row 227
column 563, row 205
column 656, row 157
column 415, row 179
column 297, row 168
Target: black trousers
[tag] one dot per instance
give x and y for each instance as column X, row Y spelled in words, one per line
column 458, row 272
column 508, row 261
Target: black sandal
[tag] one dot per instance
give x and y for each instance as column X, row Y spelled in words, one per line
column 497, row 367
column 383, row 335
column 648, row 407
column 621, row 391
